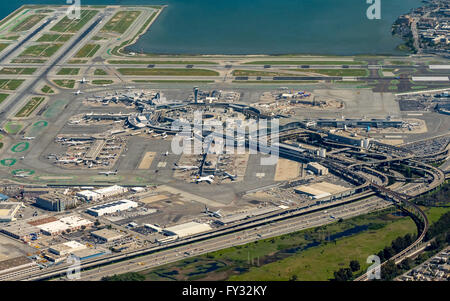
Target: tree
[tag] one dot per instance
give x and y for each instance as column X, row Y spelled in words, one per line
column 293, row 278
column 354, row 265
column 388, row 252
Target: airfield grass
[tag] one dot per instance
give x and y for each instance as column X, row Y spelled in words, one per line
column 68, row 25
column 171, row 81
column 88, row 50
column 29, row 108
column 54, row 37
column 306, row 63
column 65, row 83
column 3, row 97
column 3, row 46
column 48, row 90
column 68, row 71
column 100, row 72
column 41, row 50
column 256, row 73
column 28, row 61
column 18, row 71
column 77, row 61
column 121, row 21
column 102, row 81
column 27, row 23
column 13, row 127
column 335, row 72
column 167, row 72
column 11, row 38
column 278, row 263
column 147, row 62
column 10, row 84
column 274, row 82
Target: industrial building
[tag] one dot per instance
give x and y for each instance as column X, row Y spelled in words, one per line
column 20, row 230
column 107, row 235
column 112, row 207
column 88, row 195
column 110, row 191
column 16, row 266
column 56, row 202
column 317, row 168
column 68, row 223
column 186, row 229
column 8, row 211
column 67, row 248
column 320, row 190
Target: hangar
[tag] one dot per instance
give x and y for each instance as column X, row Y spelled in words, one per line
column 187, row 229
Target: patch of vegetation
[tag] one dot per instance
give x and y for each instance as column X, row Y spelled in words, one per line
column 54, row 37
column 306, row 63
column 47, row 89
column 41, row 50
column 3, row 46
column 256, row 73
column 121, row 21
column 335, row 72
column 131, row 276
column 102, row 81
column 10, row 84
column 77, row 61
column 65, row 83
column 276, row 82
column 29, row 108
column 69, row 25
column 28, row 23
column 100, row 72
column 171, row 81
column 68, row 71
column 147, row 62
column 28, row 61
column 3, row 97
column 88, row 50
column 167, row 72
column 18, row 71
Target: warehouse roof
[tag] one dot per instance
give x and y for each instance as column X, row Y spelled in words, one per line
column 187, row 229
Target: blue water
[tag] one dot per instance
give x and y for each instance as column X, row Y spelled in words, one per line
column 263, row 26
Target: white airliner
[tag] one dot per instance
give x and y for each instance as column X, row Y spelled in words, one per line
column 166, row 153
column 208, row 179
column 66, row 161
column 107, row 173
column 83, row 80
column 75, row 121
column 78, row 92
column 212, row 213
column 28, row 138
column 184, row 167
column 22, row 175
column 230, row 176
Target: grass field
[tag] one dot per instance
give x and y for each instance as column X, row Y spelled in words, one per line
column 167, row 72
column 312, row 254
column 335, row 72
column 68, row 25
column 276, row 82
column 54, row 37
column 28, row 61
column 48, row 90
column 28, row 23
column 147, row 62
column 29, row 108
column 172, row 81
column 18, row 71
column 41, row 50
column 13, row 127
column 68, row 71
column 3, row 46
column 256, row 73
column 10, row 84
column 100, row 72
column 3, row 97
column 77, row 61
column 65, row 83
column 306, row 63
column 121, row 21
column 102, row 82
column 11, row 38
column 88, row 50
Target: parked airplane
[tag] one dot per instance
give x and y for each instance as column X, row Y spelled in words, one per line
column 107, row 173
column 28, row 138
column 184, row 167
column 78, row 92
column 166, row 153
column 22, row 175
column 66, row 161
column 83, row 80
column 75, row 121
column 230, row 176
column 212, row 213
column 208, row 179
